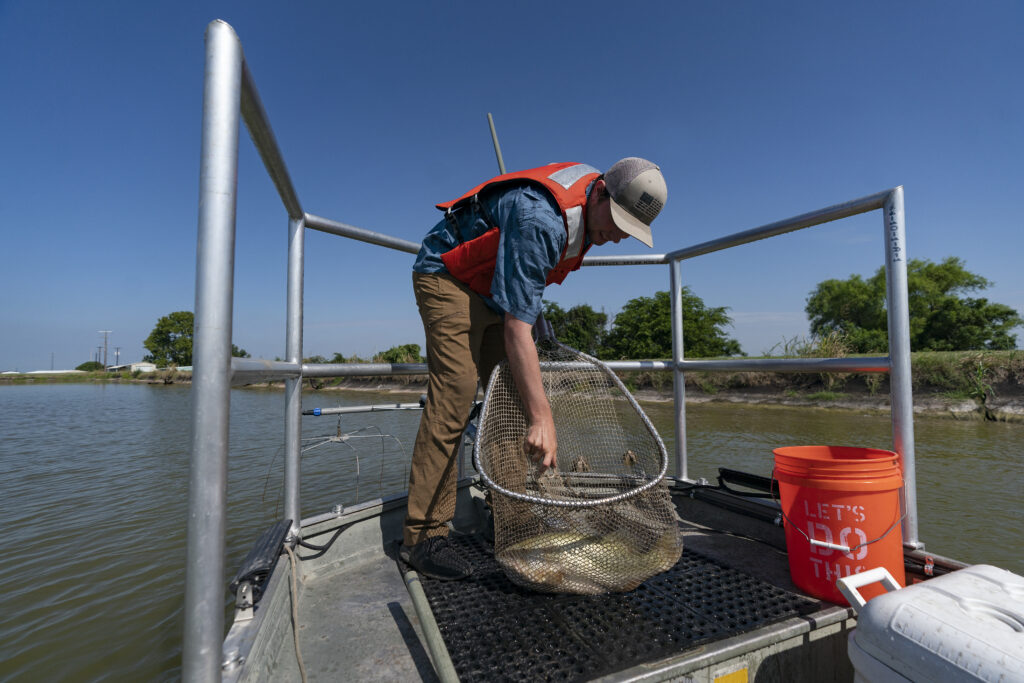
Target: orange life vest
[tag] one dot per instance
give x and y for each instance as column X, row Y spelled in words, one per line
column 473, row 262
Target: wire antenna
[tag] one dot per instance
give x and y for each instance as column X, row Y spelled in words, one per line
column 497, row 147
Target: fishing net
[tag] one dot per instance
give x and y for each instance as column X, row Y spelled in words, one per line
column 602, row 520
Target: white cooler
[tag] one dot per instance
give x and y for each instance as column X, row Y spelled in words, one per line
column 964, row 626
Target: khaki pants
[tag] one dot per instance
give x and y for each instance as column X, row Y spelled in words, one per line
column 465, row 341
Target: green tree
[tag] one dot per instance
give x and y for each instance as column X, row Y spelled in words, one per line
column 170, row 342
column 581, row 327
column 643, row 329
column 854, row 308
column 90, row 366
column 406, row 353
column 942, row 318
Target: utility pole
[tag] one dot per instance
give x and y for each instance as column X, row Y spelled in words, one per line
column 117, row 355
column 104, row 333
column 99, row 350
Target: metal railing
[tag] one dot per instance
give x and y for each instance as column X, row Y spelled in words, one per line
column 230, row 95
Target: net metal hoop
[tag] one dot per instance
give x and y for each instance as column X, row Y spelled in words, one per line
column 574, row 503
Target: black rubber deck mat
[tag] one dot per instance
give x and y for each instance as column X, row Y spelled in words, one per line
column 497, row 631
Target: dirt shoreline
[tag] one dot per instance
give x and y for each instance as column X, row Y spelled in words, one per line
column 1006, row 407
column 994, row 409
column 1006, row 404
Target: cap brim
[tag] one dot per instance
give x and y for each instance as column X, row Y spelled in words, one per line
column 631, row 225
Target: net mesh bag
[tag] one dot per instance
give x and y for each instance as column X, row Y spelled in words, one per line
column 602, row 520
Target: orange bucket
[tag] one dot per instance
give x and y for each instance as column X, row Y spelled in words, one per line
column 841, row 511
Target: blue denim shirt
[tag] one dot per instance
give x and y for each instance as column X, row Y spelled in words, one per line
column 532, row 239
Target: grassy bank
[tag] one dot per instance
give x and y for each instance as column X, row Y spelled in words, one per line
column 955, row 374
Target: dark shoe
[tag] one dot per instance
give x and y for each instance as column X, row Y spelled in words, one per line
column 488, row 531
column 435, row 557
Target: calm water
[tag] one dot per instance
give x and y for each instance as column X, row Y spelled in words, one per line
column 96, row 477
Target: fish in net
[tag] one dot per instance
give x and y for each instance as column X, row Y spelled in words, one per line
column 602, row 520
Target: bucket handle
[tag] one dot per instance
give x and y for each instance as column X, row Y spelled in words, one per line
column 837, row 546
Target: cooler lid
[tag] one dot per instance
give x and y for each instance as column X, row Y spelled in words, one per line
column 968, row 625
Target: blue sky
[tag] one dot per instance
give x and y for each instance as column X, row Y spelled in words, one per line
column 755, row 111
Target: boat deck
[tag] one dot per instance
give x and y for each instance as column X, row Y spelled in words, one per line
column 728, row 605
column 494, row 630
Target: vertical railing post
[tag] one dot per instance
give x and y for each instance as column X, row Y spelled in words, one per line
column 901, row 393
column 678, row 378
column 211, row 379
column 293, row 386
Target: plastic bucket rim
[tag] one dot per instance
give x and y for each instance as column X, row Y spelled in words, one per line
column 820, row 470
column 804, row 454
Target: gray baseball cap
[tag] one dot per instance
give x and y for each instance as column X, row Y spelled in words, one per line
column 638, row 192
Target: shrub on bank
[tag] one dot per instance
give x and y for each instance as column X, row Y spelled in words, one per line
column 969, row 374
column 960, row 374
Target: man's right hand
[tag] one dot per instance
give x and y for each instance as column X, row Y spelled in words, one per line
column 541, row 444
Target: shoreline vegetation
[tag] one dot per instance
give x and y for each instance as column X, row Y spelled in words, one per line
column 967, row 385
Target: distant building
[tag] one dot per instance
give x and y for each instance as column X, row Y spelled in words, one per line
column 132, row 367
column 53, row 372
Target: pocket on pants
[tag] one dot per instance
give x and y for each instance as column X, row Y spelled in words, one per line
column 440, row 299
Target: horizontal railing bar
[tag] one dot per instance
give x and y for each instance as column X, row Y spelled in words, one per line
column 362, row 369
column 335, row 228
column 635, row 365
column 251, row 371
column 251, row 368
column 627, row 260
column 873, row 364
column 806, row 220
column 263, row 137
column 877, row 364
column 373, row 408
column 255, row 370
